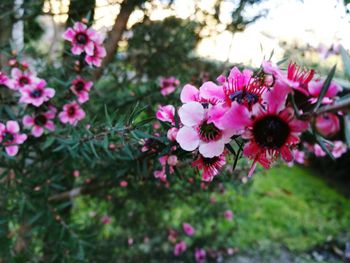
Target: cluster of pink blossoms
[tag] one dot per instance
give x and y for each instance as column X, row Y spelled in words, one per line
column 168, row 85
column 88, row 41
column 251, row 106
column 34, row 94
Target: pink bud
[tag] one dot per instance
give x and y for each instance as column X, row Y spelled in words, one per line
column 172, row 160
column 123, row 183
column 76, row 173
column 171, row 134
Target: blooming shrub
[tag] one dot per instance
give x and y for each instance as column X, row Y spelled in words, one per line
column 79, row 135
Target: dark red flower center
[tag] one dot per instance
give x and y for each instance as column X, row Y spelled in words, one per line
column 209, row 162
column 271, row 132
column 40, row 120
column 209, row 132
column 36, row 93
column 79, row 86
column 71, row 111
column 24, row 81
column 81, row 38
column 7, row 137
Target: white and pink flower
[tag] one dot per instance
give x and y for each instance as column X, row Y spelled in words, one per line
column 199, row 132
column 36, row 94
column 166, row 114
column 10, row 137
column 40, row 122
column 81, row 89
column 72, row 113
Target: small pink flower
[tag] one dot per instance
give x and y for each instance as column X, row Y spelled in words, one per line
column 123, row 183
column 199, row 132
column 5, row 81
column 188, row 229
column 299, row 156
column 82, row 39
column 228, row 215
column 318, row 151
column 22, row 78
column 315, row 88
column 76, row 173
column 166, row 113
column 339, row 149
column 172, row 160
column 327, row 124
column 10, row 137
column 179, row 248
column 72, row 113
column 96, row 58
column 40, row 122
column 171, row 134
column 160, row 174
column 208, row 94
column 81, row 89
column 36, row 94
column 200, row 255
column 210, row 166
column 168, row 85
column 105, row 220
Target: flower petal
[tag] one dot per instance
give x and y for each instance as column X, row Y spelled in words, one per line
column 188, row 138
column 191, row 113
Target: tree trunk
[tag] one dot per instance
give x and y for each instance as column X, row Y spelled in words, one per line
column 115, row 35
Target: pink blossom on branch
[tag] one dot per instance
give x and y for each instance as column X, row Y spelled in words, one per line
column 200, row 255
column 72, row 113
column 39, row 122
column 168, row 85
column 82, row 38
column 166, row 113
column 10, row 137
column 5, row 81
column 81, row 89
column 188, row 229
column 36, row 94
column 179, row 248
column 327, row 124
column 22, row 78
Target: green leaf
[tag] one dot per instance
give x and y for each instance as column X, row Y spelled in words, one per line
column 325, row 87
column 347, row 129
column 346, row 61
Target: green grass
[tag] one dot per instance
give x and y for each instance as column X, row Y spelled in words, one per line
column 288, row 206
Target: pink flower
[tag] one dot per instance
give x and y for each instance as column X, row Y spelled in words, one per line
column 76, row 173
column 171, row 134
column 296, row 77
column 40, row 122
column 188, row 229
column 299, row 156
column 208, row 94
column 271, row 130
column 81, row 89
column 318, row 151
column 36, row 94
column 166, row 113
column 160, row 174
column 123, row 183
column 6, row 82
column 199, row 132
column 315, row 88
column 327, row 124
column 72, row 113
column 96, row 58
column 228, row 215
column 339, row 149
column 22, row 78
column 10, row 137
column 172, row 160
column 200, row 255
column 210, row 166
column 179, row 248
column 82, row 39
column 242, row 87
column 105, row 220
column 168, row 85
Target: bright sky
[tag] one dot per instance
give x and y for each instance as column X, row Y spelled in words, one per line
column 301, row 21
